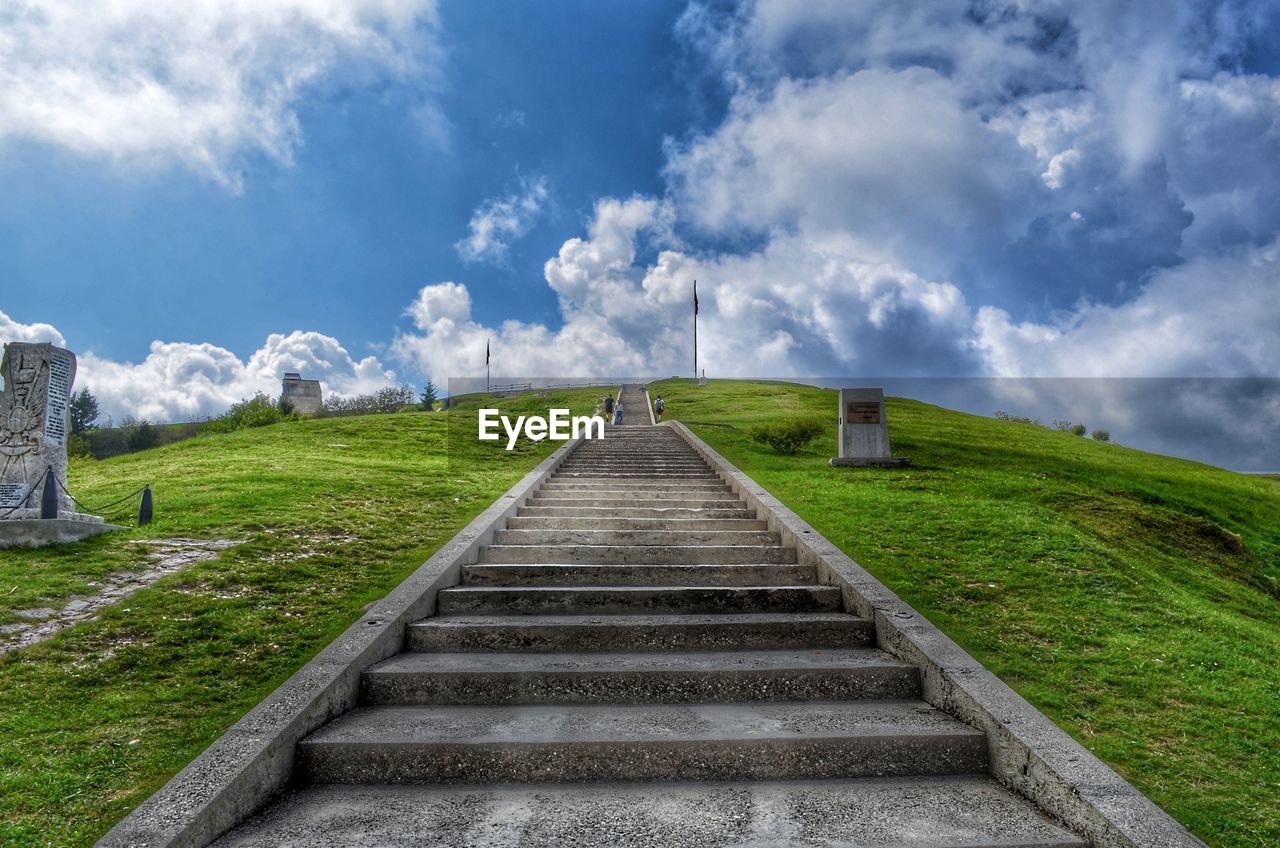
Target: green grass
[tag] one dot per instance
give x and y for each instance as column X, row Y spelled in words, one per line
column 334, row 514
column 1129, row 596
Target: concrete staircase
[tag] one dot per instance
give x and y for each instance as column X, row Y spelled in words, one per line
column 637, row 660
column 635, row 406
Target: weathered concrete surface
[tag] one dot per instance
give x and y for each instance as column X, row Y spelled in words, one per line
column 969, row 812
column 253, row 760
column 1029, row 753
column 596, row 600
column 612, row 633
column 626, row 678
column 38, row 532
column 757, row 741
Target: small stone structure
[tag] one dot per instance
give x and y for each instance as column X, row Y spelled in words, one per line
column 305, row 395
column 35, row 421
column 864, row 430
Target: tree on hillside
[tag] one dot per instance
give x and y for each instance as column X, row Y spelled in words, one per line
column 142, row 436
column 84, row 411
column 429, row 396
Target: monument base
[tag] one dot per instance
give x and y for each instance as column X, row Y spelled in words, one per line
column 36, row 532
column 869, row 461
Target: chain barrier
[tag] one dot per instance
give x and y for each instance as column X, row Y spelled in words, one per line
column 107, row 513
column 112, row 513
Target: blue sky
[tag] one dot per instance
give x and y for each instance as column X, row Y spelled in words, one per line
column 579, row 93
column 197, row 197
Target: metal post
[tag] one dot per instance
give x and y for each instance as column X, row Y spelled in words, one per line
column 144, row 508
column 49, row 497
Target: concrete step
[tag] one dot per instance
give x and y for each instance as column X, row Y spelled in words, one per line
column 646, row 475
column 631, row 513
column 640, row 678
column 615, row 455
column 933, row 812
column 652, row 503
column 622, row 493
column 593, row 743
column 626, row 463
column 639, row 633
column 657, row 485
column 580, row 523
column 637, row 484
column 544, row 574
column 585, row 536
column 638, row 554
column 595, row 600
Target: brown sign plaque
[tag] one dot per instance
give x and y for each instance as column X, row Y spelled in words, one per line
column 863, row 413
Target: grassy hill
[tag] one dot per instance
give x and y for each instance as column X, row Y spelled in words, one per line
column 1131, row 597
column 333, row 513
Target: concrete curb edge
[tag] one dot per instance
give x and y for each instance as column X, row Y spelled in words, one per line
column 1028, row 752
column 252, row 761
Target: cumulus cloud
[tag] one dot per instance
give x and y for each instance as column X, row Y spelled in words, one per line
column 201, row 82
column 787, row 309
column 182, row 381
column 13, row 331
column 1213, row 316
column 889, row 163
column 500, row 220
column 1032, row 153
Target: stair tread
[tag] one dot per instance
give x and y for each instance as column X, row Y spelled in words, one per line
column 416, row 725
column 641, row 620
column 691, row 661
column 634, row 588
column 929, row 812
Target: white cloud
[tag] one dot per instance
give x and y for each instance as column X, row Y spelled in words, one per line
column 1211, row 317
column 500, row 220
column 889, row 163
column 181, row 381
column 787, row 309
column 201, row 82
column 12, row 331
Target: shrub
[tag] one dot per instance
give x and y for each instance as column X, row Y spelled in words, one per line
column 1002, row 415
column 390, row 399
column 1101, row 435
column 258, row 411
column 142, row 437
column 1078, row 430
column 78, row 445
column 788, row 436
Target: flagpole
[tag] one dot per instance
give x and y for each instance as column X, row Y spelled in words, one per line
column 695, row 331
column 486, row 365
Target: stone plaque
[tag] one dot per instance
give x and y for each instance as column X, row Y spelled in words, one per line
column 13, row 495
column 863, row 413
column 864, row 430
column 57, row 415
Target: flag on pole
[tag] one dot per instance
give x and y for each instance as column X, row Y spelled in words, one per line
column 486, row 352
column 695, row 297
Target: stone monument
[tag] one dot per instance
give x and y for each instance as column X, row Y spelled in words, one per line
column 35, row 421
column 864, row 430
column 303, row 394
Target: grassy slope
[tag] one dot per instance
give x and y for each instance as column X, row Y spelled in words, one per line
column 334, row 513
column 1128, row 596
